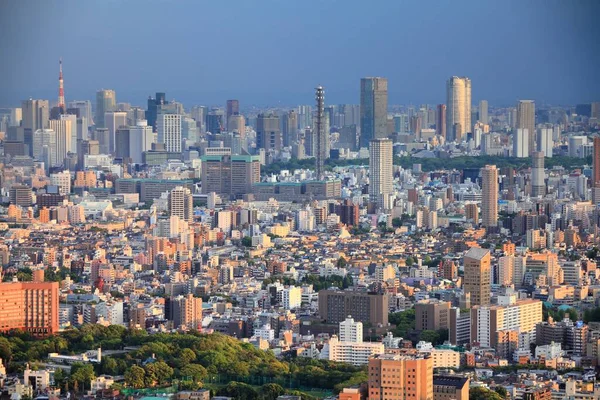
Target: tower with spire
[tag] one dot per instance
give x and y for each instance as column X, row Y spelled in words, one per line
column 61, row 89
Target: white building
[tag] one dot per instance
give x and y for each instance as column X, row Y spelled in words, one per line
column 351, row 331
column 458, row 112
column 349, row 352
column 545, row 142
column 381, row 175
column 521, row 143
column 112, row 312
column 265, row 333
column 44, row 146
column 140, row 140
column 168, row 127
column 62, row 180
column 291, row 298
column 64, row 130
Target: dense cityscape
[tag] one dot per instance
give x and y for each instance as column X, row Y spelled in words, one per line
column 360, row 251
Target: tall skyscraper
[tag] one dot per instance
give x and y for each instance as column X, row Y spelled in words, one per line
column 106, row 100
column 320, row 134
column 458, row 101
column 526, row 120
column 237, row 123
column 373, row 109
column 545, row 141
column 132, row 141
column 181, row 203
column 35, row 115
column 290, row 128
column 168, row 127
column 538, row 187
column 232, row 108
column 477, row 279
column 63, row 131
column 268, row 133
column 114, row 120
column 84, row 108
column 397, row 376
column 29, row 306
column 154, row 105
column 61, row 89
column 440, row 122
column 520, row 143
column 596, row 161
column 489, row 196
column 73, row 119
column 381, row 174
column 483, row 112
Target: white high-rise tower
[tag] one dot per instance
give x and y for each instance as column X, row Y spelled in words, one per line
column 381, row 172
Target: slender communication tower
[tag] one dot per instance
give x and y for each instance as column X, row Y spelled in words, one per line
column 319, row 134
column 61, row 89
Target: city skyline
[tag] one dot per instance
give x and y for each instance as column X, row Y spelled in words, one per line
column 192, row 80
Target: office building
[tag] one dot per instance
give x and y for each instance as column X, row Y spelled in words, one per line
column 106, row 101
column 237, row 123
column 440, row 121
column 21, row 195
column 44, row 146
column 459, row 330
column 35, row 116
column 114, row 120
column 181, row 203
column 458, row 103
column 29, row 306
column 596, row 163
column 63, row 132
column 373, row 109
column 72, row 118
column 232, row 108
column 450, row 387
column 526, row 120
column 545, row 141
column 381, row 174
column 154, row 105
column 396, row 376
column 291, row 297
column 432, row 315
column 133, row 141
column 477, row 279
column 483, row 112
column 83, row 107
column 538, row 186
column 230, row 175
column 62, row 180
column 268, row 134
column 489, row 324
column 320, row 134
column 366, row 307
column 489, row 196
column 86, row 147
column 520, row 143
column 290, row 128
column 168, row 127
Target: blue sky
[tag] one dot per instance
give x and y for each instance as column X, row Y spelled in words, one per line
column 274, row 52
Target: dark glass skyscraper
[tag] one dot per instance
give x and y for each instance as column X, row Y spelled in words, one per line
column 373, row 109
column 153, row 106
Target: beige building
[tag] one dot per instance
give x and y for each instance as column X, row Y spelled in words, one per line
column 489, row 196
column 458, row 113
column 509, row 314
column 431, row 315
column 395, row 376
column 477, row 279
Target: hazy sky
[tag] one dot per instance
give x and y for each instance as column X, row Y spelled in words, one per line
column 276, row 51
